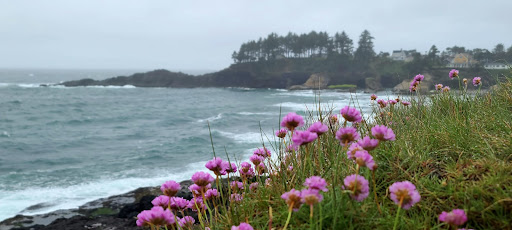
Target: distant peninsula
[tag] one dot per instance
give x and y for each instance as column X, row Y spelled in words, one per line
column 317, row 60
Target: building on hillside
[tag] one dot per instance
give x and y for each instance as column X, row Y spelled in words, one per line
column 461, row 60
column 402, row 55
column 495, row 65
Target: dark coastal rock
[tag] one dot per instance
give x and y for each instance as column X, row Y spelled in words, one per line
column 372, row 84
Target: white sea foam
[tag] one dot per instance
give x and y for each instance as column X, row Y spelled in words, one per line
column 210, row 119
column 257, row 113
column 14, row 202
column 112, row 86
column 250, row 137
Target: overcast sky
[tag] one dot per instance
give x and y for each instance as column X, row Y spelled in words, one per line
column 185, row 35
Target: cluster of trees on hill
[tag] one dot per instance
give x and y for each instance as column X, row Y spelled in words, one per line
column 310, row 45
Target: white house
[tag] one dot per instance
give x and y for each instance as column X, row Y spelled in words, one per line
column 495, row 65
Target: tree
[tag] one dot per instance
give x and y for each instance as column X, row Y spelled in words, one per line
column 344, row 44
column 499, row 51
column 509, row 54
column 364, row 53
column 432, row 55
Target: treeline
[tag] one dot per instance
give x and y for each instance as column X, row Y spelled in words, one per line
column 312, row 44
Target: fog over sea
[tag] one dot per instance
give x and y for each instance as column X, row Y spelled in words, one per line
column 62, row 147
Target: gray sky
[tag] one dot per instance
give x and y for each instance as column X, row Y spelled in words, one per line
column 181, row 35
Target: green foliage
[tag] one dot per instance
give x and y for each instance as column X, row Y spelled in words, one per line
column 103, row 212
column 455, row 147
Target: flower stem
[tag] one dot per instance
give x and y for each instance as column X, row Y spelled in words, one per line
column 398, row 212
column 289, row 216
column 311, row 217
column 375, row 192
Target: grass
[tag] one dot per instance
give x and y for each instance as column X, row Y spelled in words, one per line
column 456, row 148
column 344, row 86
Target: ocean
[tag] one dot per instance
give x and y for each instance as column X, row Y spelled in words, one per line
column 62, row 147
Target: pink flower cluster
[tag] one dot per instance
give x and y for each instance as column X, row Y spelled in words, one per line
column 405, row 193
column 456, row 217
column 309, row 196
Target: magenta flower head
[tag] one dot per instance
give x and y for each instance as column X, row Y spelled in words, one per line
column 316, row 183
column 281, row 133
column 358, row 185
column 196, row 204
column 439, row 86
column 373, row 97
column 156, row 216
column 264, row 152
column 382, row 103
column 254, row 186
column 246, row 172
column 413, row 86
column 310, row 196
column 178, row 203
column 364, row 159
column 291, row 148
column 405, row 103
column 347, row 135
column 318, row 127
column 235, row 198
column 245, row 166
column 477, row 81
column 217, row 166
column 231, row 168
column 211, row 194
column 352, row 149
column 292, row 121
column 406, row 192
column 333, row 119
column 368, row 144
column 456, row 217
column 293, row 199
column 242, row 226
column 392, row 102
column 453, row 74
column 186, row 221
column 162, row 201
column 202, row 179
column 383, row 133
column 198, row 190
column 256, row 159
column 351, row 114
column 236, row 185
column 303, row 137
column 446, row 89
column 419, row 77
column 170, row 188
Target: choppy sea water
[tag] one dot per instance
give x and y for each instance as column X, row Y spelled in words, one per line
column 62, row 147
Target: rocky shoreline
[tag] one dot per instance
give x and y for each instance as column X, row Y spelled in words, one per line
column 112, row 213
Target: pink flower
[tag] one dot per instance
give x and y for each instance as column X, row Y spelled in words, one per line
column 170, row 188
column 261, row 168
column 293, row 199
column 351, row 114
column 439, row 86
column 268, row 182
column 218, row 166
column 368, row 144
column 156, row 216
column 254, row 186
column 373, row 97
column 406, row 192
column 292, row 121
column 406, row 103
column 358, row 185
column 383, row 133
column 235, row 198
column 231, row 168
column 364, row 159
column 186, row 221
column 178, row 203
column 236, row 185
column 264, row 152
column 202, row 179
column 162, row 201
column 316, row 183
column 211, row 193
column 413, row 86
column 392, row 102
column 256, row 159
column 382, row 103
column 477, row 81
column 196, row 204
column 419, row 77
column 455, row 218
column 303, row 137
column 242, row 226
column 453, row 74
column 318, row 128
column 246, row 170
column 291, row 148
column 446, row 89
column 245, row 166
column 310, row 196
column 347, row 135
column 333, row 119
column 352, row 149
column 281, row 133
column 198, row 190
